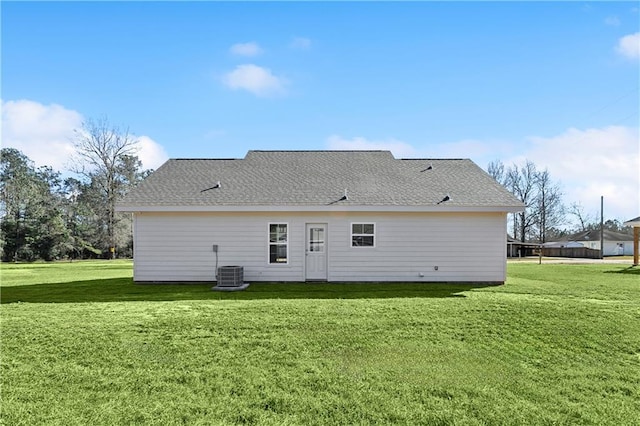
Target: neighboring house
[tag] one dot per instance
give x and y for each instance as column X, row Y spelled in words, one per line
column 635, row 223
column 562, row 244
column 615, row 243
column 320, row 216
column 516, row 248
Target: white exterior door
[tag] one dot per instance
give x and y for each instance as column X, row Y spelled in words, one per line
column 316, row 251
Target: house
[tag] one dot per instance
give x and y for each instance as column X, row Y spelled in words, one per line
column 335, row 216
column 562, row 244
column 615, row 243
column 516, row 248
column 635, row 223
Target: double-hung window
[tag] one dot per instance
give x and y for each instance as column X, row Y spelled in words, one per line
column 278, row 243
column 363, row 235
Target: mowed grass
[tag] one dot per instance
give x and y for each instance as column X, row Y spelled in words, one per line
column 557, row 344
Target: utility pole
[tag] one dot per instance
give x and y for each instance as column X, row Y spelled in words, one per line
column 602, row 227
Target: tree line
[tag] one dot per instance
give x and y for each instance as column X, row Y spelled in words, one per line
column 545, row 215
column 47, row 216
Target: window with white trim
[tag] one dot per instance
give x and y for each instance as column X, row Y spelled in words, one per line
column 363, row 235
column 278, row 243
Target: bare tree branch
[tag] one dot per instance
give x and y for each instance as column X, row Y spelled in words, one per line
column 100, row 148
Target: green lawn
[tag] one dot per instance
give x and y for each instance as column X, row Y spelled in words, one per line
column 557, row 344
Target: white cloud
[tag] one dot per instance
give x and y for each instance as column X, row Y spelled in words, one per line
column 587, row 163
column 612, row 21
column 592, row 163
column 480, row 152
column 45, row 134
column 398, row 148
column 246, row 49
column 629, row 46
column 150, row 153
column 257, row 80
column 300, row 43
column 42, row 132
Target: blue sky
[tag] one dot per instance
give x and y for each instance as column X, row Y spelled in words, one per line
column 555, row 83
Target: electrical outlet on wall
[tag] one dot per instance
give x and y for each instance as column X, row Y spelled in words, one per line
column 215, row 248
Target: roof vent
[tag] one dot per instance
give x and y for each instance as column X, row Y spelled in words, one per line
column 428, row 168
column 216, row 186
column 446, row 198
column 345, row 197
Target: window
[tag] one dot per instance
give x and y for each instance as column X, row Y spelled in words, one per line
column 278, row 243
column 362, row 235
column 316, row 239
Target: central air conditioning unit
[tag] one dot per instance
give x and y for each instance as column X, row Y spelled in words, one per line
column 230, row 278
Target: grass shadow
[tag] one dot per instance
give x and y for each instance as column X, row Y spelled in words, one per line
column 124, row 290
column 631, row 270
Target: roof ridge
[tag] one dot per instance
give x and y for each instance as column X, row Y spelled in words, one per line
column 432, row 159
column 316, row 178
column 319, row 150
column 204, row 159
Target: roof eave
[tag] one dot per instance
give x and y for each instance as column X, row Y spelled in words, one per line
column 317, row 208
column 633, row 222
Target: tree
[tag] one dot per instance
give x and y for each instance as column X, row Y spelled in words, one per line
column 549, row 211
column 584, row 219
column 496, row 171
column 85, row 225
column 102, row 150
column 542, row 198
column 52, row 239
column 32, row 224
column 616, row 225
column 16, row 181
column 43, row 217
column 521, row 181
column 131, row 173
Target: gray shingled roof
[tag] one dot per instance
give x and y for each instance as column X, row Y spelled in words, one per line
column 319, row 178
column 632, row 222
column 594, row 235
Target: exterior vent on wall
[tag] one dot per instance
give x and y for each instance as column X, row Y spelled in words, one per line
column 230, row 278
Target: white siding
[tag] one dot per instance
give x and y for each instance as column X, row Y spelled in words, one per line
column 178, row 247
column 408, row 246
column 617, row 248
column 464, row 247
column 611, row 248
